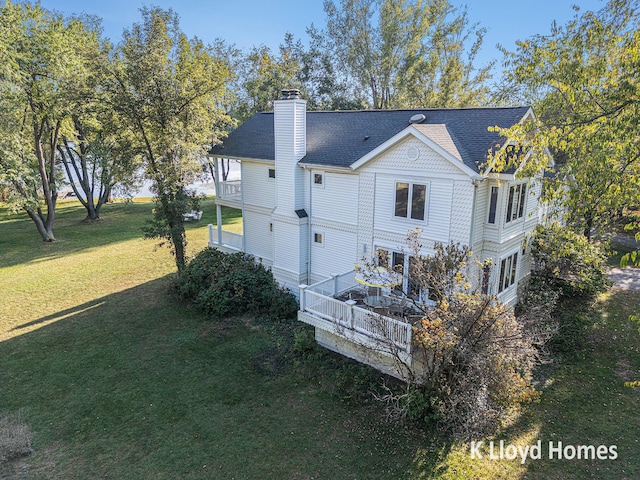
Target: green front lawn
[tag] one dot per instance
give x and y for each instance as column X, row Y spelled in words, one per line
column 115, row 378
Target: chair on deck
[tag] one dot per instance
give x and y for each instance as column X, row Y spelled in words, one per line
column 396, row 310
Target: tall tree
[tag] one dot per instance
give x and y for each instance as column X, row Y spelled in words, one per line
column 169, row 89
column 583, row 81
column 406, row 53
column 41, row 56
column 96, row 152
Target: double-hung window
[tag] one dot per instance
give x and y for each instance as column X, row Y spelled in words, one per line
column 516, row 202
column 508, row 271
column 411, row 199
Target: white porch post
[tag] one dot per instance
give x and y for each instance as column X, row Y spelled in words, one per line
column 219, row 222
column 351, row 304
column 218, row 207
column 335, row 285
column 303, row 289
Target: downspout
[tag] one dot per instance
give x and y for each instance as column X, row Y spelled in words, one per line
column 310, row 232
column 244, row 229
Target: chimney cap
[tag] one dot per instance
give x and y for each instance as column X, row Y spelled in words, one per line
column 290, row 94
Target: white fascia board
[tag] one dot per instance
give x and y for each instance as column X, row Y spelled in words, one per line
column 410, row 131
column 247, row 159
column 325, row 168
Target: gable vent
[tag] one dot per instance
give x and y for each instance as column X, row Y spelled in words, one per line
column 417, row 118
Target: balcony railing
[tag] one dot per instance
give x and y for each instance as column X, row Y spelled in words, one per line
column 231, row 190
column 231, row 241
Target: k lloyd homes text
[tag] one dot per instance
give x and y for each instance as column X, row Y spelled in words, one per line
column 554, row 451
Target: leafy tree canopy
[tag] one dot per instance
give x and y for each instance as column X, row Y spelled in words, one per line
column 582, row 79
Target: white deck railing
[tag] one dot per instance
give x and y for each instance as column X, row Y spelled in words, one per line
column 388, row 332
column 335, row 285
column 231, row 190
column 229, row 239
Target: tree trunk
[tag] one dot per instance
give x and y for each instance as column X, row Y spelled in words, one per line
column 45, row 228
column 589, row 225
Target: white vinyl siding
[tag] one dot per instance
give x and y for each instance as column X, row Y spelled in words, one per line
column 338, row 199
column 256, row 188
column 337, row 253
column 258, row 234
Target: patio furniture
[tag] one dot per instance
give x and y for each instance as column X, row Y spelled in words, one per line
column 376, row 301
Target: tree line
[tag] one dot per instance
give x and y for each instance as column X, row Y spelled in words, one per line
column 105, row 115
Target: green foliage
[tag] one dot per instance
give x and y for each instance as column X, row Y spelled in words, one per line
column 569, row 261
column 168, row 90
column 586, row 101
column 406, row 53
column 567, row 312
column 45, row 65
column 223, row 284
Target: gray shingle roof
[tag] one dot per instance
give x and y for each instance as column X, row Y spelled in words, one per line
column 339, row 139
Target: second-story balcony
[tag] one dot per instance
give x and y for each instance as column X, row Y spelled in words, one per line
column 230, row 192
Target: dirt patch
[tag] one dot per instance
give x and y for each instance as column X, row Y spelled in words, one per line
column 15, row 438
column 623, row 369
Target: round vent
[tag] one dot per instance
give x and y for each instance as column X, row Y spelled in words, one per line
column 413, row 153
column 417, row 118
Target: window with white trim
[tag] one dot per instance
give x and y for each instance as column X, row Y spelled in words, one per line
column 508, row 272
column 493, row 205
column 318, row 238
column 411, row 199
column 516, row 202
column 272, row 173
column 318, row 179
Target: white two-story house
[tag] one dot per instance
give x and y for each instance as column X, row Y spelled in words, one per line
column 321, row 191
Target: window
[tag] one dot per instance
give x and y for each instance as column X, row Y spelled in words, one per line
column 318, row 179
column 486, row 275
column 410, row 200
column 317, row 238
column 516, row 203
column 493, row 205
column 272, row 173
column 508, row 270
column 405, row 265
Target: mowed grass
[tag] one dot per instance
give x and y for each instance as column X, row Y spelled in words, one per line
column 117, row 379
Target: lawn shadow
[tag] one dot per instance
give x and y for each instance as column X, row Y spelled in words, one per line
column 120, row 221
column 137, row 384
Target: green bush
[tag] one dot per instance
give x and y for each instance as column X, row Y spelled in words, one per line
column 567, row 260
column 223, row 284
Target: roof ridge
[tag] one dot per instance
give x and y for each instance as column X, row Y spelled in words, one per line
column 416, row 109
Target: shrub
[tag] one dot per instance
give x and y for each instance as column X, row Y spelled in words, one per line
column 479, row 357
column 223, row 284
column 568, row 261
